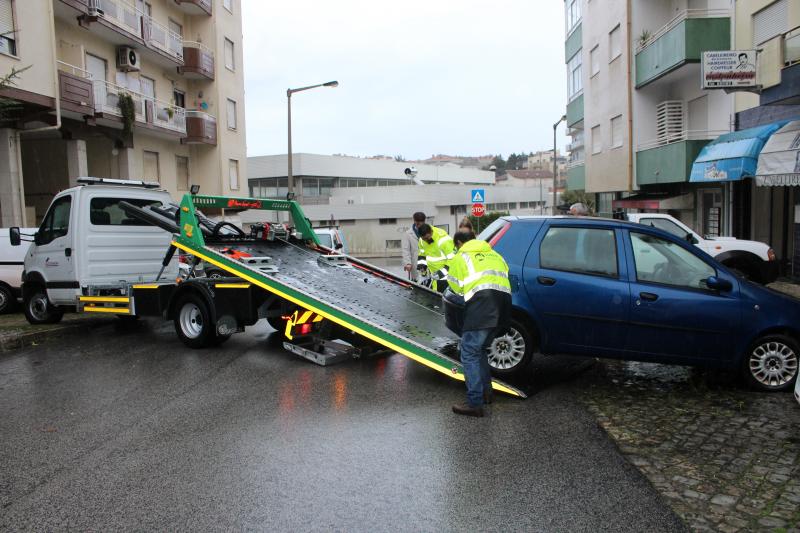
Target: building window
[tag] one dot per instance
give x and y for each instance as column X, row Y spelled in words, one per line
column 228, row 4
column 151, row 170
column 393, row 244
column 573, row 8
column 614, row 44
column 179, row 97
column 594, row 59
column 770, row 22
column 574, row 82
column 233, row 174
column 597, row 142
column 616, row 131
column 8, row 34
column 182, row 172
column 231, row 114
column 387, row 221
column 347, row 222
column 229, row 56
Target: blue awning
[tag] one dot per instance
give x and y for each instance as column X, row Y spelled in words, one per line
column 732, row 156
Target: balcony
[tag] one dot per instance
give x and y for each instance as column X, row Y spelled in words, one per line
column 576, row 176
column 198, row 61
column 75, row 91
column 201, row 128
column 161, row 38
column 682, row 40
column 575, row 111
column 669, row 159
column 195, row 7
column 150, row 115
column 121, row 24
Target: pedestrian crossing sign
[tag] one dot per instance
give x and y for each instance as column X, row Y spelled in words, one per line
column 478, row 196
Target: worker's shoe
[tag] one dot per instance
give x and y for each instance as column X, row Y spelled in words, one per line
column 488, row 397
column 468, row 410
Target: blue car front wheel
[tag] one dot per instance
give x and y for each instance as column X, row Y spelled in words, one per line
column 772, row 363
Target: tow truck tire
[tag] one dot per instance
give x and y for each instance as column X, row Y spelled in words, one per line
column 38, row 309
column 193, row 322
column 511, row 352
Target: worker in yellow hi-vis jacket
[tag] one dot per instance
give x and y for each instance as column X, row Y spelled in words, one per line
column 480, row 276
column 436, row 248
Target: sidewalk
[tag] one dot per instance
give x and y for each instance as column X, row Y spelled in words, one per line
column 15, row 332
column 792, row 289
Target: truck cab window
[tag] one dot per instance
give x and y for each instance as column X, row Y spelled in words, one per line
column 56, row 222
column 107, row 212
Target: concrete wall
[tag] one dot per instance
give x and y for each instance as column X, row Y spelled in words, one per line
column 45, row 170
column 606, row 171
column 34, row 23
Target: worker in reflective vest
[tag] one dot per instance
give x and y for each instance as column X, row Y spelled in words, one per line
column 436, row 248
column 480, row 276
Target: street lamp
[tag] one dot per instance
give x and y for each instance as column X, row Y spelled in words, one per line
column 289, row 93
column 555, row 167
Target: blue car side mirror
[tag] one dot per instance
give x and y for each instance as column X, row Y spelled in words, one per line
column 718, row 284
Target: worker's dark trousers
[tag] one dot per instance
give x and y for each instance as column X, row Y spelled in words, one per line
column 476, row 364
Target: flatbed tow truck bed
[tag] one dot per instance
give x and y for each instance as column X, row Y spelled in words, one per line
column 333, row 293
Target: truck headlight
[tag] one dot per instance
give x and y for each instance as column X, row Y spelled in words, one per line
column 771, row 254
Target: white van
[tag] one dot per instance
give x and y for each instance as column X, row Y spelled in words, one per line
column 12, row 259
column 86, row 239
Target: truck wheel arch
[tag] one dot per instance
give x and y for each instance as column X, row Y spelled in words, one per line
column 744, row 261
column 199, row 289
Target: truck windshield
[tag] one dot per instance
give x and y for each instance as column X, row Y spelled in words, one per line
column 107, row 212
column 325, row 239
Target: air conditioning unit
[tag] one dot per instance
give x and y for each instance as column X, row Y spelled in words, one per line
column 128, row 59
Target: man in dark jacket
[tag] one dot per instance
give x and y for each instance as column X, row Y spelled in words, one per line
column 480, row 276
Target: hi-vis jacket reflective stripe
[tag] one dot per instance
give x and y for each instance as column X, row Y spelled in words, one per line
column 436, row 254
column 477, row 267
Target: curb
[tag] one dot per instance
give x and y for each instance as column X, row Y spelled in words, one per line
column 14, row 342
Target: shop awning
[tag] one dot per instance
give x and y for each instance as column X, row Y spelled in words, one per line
column 732, row 156
column 779, row 162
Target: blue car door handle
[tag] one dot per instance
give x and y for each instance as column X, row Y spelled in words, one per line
column 543, row 280
column 648, row 296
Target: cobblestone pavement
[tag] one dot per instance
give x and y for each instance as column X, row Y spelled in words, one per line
column 725, row 458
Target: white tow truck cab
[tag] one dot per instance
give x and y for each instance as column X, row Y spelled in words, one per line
column 755, row 260
column 86, row 239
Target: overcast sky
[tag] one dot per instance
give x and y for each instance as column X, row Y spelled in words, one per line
column 416, row 77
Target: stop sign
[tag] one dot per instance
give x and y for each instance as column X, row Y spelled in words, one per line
column 478, row 210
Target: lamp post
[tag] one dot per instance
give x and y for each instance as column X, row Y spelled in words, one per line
column 555, row 162
column 289, row 93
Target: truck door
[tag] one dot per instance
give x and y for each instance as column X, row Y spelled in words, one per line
column 52, row 254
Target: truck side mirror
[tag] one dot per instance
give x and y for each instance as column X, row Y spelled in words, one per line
column 339, row 246
column 14, row 236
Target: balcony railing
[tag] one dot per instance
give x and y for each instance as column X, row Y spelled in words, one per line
column 162, row 38
column 198, row 59
column 120, row 14
column 686, row 135
column 167, row 116
column 677, row 19
column 106, row 100
column 75, row 89
column 201, row 128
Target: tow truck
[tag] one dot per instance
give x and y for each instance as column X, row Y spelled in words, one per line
column 330, row 306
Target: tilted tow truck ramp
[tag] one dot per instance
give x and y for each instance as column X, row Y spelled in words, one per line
column 398, row 315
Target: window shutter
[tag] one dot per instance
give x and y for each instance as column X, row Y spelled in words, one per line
column 770, row 21
column 6, row 19
column 669, row 121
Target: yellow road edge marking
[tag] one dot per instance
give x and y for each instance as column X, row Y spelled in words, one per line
column 383, row 342
column 232, row 286
column 108, row 299
column 115, row 310
column 147, row 286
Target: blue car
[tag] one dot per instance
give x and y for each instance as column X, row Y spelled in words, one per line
column 608, row 288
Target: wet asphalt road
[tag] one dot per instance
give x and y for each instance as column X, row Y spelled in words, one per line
column 127, row 429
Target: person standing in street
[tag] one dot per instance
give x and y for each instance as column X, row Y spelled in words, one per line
column 436, row 248
column 479, row 275
column 465, row 225
column 410, row 245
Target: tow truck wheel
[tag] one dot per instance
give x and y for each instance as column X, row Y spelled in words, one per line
column 38, row 309
column 511, row 352
column 193, row 322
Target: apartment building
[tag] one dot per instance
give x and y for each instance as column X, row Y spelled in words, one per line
column 127, row 89
column 638, row 116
